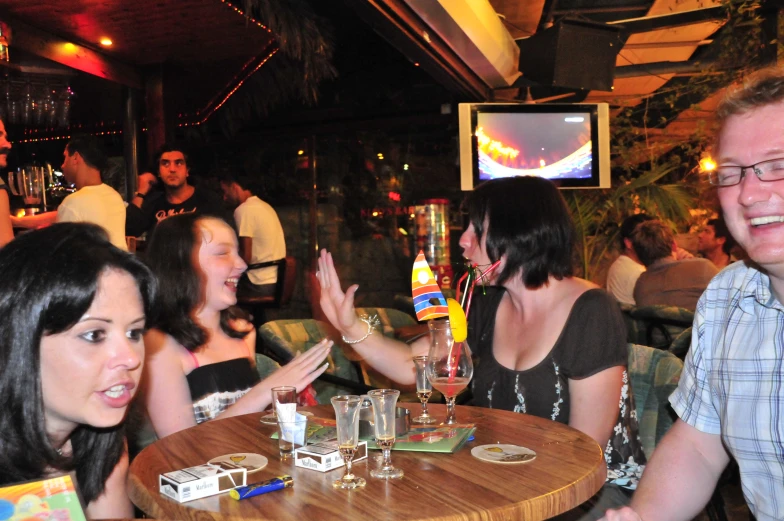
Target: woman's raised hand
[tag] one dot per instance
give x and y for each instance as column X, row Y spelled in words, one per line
column 303, row 368
column 336, row 305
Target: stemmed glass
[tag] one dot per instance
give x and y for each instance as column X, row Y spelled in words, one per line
column 424, row 390
column 347, row 419
column 449, row 366
column 384, row 406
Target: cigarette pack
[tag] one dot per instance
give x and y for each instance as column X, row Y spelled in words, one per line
column 201, row 481
column 326, row 456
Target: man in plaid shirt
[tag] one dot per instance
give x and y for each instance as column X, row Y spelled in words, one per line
column 730, row 398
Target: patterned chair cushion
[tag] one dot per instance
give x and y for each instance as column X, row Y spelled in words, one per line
column 391, row 319
column 265, row 365
column 671, row 319
column 681, row 344
column 654, row 374
column 292, row 336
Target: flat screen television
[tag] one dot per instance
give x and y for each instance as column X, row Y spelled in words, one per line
column 566, row 143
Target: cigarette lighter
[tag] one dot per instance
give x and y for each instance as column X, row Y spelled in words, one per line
column 262, row 487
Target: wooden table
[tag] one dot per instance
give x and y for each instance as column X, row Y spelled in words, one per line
column 569, row 468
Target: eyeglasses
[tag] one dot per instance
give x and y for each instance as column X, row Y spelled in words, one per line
column 770, row 170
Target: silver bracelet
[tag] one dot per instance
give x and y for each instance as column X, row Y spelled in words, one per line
column 372, row 323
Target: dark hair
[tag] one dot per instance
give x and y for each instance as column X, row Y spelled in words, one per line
column 720, row 230
column 91, row 151
column 171, row 255
column 243, row 181
column 170, row 147
column 528, row 221
column 652, row 240
column 50, row 278
column 629, row 224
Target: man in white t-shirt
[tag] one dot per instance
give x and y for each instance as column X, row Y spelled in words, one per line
column 260, row 237
column 93, row 201
column 624, row 272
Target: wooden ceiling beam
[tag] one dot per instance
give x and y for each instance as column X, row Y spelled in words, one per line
column 45, row 45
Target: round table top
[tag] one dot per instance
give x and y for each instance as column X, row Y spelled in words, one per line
column 569, row 468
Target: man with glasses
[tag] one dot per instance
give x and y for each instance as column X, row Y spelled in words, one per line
column 148, row 206
column 730, row 398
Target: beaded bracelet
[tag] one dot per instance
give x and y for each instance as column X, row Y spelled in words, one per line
column 372, row 323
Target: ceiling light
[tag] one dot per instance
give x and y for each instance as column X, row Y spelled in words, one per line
column 106, row 42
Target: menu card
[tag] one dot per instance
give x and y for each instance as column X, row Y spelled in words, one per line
column 51, row 499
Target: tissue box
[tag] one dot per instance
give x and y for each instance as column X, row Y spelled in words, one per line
column 326, row 456
column 201, row 481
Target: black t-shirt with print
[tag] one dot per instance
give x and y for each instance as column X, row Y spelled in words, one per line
column 156, row 208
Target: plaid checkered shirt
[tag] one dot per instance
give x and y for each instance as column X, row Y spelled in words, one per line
column 733, row 381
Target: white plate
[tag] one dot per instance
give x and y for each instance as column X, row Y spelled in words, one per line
column 503, row 453
column 249, row 460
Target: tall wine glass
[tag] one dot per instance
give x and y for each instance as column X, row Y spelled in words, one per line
column 347, row 419
column 449, row 366
column 424, row 390
column 384, row 408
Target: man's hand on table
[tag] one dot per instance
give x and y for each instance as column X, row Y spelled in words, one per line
column 621, row 514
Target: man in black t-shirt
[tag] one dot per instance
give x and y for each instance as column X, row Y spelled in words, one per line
column 148, row 207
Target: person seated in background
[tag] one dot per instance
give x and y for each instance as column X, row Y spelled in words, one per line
column 716, row 243
column 149, row 207
column 74, row 312
column 626, row 269
column 260, row 234
column 548, row 343
column 667, row 280
column 93, row 201
column 201, row 358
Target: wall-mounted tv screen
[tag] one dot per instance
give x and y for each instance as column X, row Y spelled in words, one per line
column 568, row 144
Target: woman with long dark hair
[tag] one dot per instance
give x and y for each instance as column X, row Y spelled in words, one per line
column 201, row 357
column 74, row 311
column 547, row 343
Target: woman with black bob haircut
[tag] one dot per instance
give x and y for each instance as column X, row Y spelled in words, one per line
column 201, row 358
column 74, row 311
column 544, row 342
column 529, row 223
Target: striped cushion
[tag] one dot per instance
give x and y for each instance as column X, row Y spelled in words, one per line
column 654, row 375
column 299, row 335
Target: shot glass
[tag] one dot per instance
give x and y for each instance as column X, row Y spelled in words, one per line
column 424, row 390
column 384, row 419
column 347, row 420
column 291, row 436
column 282, row 394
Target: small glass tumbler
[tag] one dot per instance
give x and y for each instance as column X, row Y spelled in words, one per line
column 291, row 436
column 424, row 390
column 347, row 420
column 384, row 418
column 282, row 394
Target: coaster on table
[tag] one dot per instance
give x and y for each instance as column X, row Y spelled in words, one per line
column 269, row 419
column 502, row 453
column 248, row 460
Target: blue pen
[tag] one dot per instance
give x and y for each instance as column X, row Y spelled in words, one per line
column 263, row 487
